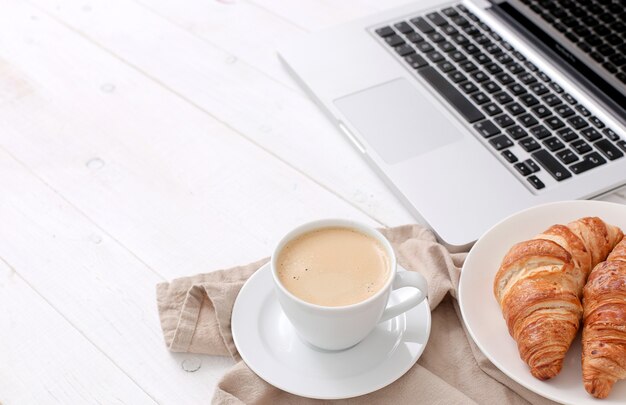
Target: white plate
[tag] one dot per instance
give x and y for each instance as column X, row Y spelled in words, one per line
column 482, row 314
column 269, row 345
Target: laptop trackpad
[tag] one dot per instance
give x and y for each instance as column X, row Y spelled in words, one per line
column 397, row 120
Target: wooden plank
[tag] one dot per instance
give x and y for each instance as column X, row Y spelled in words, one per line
column 172, row 184
column 247, row 32
column 276, row 118
column 45, row 360
column 99, row 287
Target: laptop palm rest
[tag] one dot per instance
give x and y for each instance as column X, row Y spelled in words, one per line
column 397, row 121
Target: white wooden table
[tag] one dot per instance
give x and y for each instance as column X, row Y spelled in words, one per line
column 142, row 141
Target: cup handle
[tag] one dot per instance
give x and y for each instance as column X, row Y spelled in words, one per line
column 406, row 279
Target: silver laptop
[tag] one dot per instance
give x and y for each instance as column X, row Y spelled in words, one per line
column 474, row 110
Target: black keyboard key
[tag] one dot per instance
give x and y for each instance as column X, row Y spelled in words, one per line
column 457, row 56
column 517, row 89
column 480, row 76
column 394, row 40
column 515, row 68
column 416, row 61
column 540, row 132
column 436, row 37
column 504, row 58
column 470, row 48
column 460, row 39
column 516, row 132
column 481, row 39
column 424, row 47
column 519, row 56
column 404, row 49
column 493, row 68
column 493, row 49
column 567, row 156
column 538, row 88
column 551, row 165
column 551, row 100
column 490, row 87
column 480, row 97
column 450, row 12
column 527, row 120
column 564, row 111
column 596, row 122
column 460, row 21
column 504, row 120
column 527, row 78
column 531, row 66
column 556, row 88
column 486, row 128
column 468, row 87
column 468, row 66
column 532, row 165
column 446, row 46
column 590, row 134
column 509, row 156
column 415, row 38
column 581, row 147
column 608, row 149
column 435, row 57
column 449, row 30
column 504, row 78
column 553, row 144
column 515, row 108
column 528, row 100
column 529, row 144
column 554, row 122
column 482, row 58
column 452, row 95
column 590, row 161
column 436, row 18
column 385, row 32
column 501, row 142
column 491, row 109
column 523, row 169
column 457, row 76
column 502, row 97
column 541, row 111
column 536, row 183
column 404, row 28
column 610, row 134
column 622, row 144
column 581, row 109
column 568, row 97
column 471, row 31
column 567, row 134
column 577, row 122
column 422, row 25
column 446, row 67
column 543, row 77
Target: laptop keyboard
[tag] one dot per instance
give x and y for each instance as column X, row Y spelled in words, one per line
column 511, row 104
column 598, row 28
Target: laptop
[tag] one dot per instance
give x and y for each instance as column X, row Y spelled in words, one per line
column 474, row 110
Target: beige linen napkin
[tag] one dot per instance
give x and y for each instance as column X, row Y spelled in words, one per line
column 195, row 317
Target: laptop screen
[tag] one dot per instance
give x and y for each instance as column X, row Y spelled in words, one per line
column 586, row 37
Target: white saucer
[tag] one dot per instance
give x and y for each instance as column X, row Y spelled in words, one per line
column 269, row 345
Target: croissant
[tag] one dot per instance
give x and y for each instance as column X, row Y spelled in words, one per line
column 539, row 287
column 604, row 330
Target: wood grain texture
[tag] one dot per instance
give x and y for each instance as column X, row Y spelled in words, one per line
column 43, row 359
column 278, row 119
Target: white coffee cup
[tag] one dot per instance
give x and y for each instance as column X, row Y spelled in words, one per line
column 337, row 328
